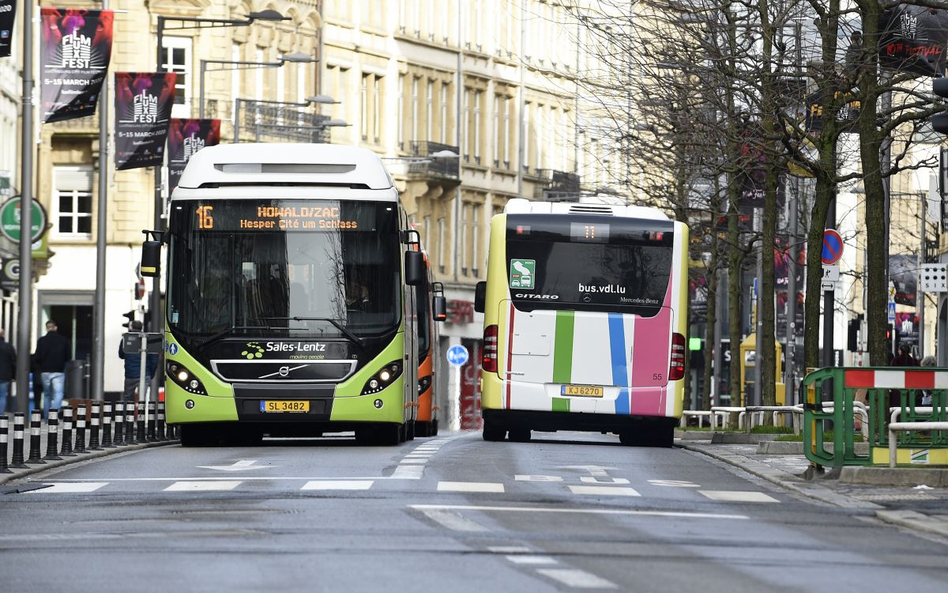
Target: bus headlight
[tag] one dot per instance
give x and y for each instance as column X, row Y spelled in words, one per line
column 185, row 379
column 383, row 378
column 423, row 384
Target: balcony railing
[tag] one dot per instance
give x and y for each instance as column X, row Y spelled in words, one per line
column 435, row 166
column 268, row 121
column 553, row 184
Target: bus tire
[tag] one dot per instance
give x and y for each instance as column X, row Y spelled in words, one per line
column 492, row 432
column 662, row 436
column 520, row 435
column 411, row 429
column 434, row 428
column 423, row 429
column 194, row 436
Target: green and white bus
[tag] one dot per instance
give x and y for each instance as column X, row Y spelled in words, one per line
column 585, row 318
column 290, row 296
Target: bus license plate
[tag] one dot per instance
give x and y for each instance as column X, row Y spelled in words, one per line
column 582, row 390
column 282, row 406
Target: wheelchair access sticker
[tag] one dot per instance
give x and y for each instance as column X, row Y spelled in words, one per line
column 522, row 273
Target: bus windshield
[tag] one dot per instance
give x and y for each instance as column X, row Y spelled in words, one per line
column 300, row 268
column 590, row 263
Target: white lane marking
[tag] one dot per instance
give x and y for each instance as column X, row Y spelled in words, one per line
column 407, row 472
column 417, row 456
column 337, row 485
column 432, row 449
column 453, row 520
column 413, row 461
column 737, row 496
column 674, row 483
column 220, row 478
column 531, row 559
column 595, row 480
column 594, row 470
column 680, row 514
column 579, row 579
column 537, row 478
column 242, row 465
column 202, row 486
column 603, row 491
column 69, row 488
column 508, row 549
column 470, row 487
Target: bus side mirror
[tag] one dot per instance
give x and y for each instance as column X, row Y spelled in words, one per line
column 151, row 259
column 414, row 268
column 439, row 306
column 480, row 295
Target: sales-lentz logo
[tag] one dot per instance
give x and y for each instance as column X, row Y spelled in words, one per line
column 145, row 109
column 77, row 51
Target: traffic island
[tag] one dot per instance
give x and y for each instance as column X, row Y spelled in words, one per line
column 899, row 476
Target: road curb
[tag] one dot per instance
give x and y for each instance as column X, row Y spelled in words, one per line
column 5, row 478
column 783, row 479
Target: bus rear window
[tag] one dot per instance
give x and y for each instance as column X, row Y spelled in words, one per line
column 599, row 265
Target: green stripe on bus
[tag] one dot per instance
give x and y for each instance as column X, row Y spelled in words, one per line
column 563, row 347
column 560, row 404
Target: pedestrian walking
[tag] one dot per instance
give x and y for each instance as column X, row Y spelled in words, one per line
column 133, row 367
column 7, row 370
column 52, row 353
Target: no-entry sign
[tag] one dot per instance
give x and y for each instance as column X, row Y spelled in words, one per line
column 832, row 247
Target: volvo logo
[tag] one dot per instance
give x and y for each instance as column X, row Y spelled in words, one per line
column 284, row 371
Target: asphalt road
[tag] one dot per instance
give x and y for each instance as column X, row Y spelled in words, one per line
column 565, row 512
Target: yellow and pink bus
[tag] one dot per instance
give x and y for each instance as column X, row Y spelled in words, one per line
column 585, row 321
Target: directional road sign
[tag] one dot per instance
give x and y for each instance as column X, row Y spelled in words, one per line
column 832, row 247
column 457, row 355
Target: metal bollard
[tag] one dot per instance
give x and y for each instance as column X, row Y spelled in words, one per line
column 130, row 422
column 95, row 422
column 152, row 422
column 66, row 450
column 52, row 436
column 81, row 430
column 18, row 425
column 36, row 425
column 4, row 439
column 119, row 423
column 160, row 422
column 107, row 426
column 141, row 422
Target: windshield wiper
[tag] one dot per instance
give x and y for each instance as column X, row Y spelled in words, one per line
column 232, row 329
column 334, row 323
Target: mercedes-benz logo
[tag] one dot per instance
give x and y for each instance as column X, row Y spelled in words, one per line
column 284, row 371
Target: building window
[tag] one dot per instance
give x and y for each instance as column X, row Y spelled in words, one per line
column 444, row 113
column 429, row 115
column 467, row 126
column 177, row 58
column 525, row 141
column 476, row 233
column 464, row 251
column 441, row 244
column 72, row 202
column 414, row 108
column 365, row 107
column 478, row 97
column 401, row 112
column 376, row 108
column 427, row 231
column 508, row 133
column 234, row 80
column 495, row 133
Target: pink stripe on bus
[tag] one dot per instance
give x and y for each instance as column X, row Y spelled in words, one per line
column 652, row 347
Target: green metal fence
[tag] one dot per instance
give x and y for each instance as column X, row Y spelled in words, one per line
column 835, row 397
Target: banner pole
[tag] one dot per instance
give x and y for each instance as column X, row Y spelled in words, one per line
column 98, row 309
column 25, row 313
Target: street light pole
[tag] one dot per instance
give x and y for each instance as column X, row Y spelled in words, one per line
column 25, row 315
column 296, row 58
column 98, row 309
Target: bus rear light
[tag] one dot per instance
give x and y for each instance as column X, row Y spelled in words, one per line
column 489, row 358
column 676, row 370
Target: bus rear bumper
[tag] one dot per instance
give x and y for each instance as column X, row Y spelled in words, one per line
column 578, row 421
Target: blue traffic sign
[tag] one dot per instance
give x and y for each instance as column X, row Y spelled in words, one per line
column 891, row 312
column 457, row 355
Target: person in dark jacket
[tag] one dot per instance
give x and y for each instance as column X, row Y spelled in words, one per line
column 7, row 370
column 133, row 366
column 52, row 353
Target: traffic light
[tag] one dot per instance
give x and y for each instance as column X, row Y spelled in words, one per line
column 940, row 120
column 131, row 317
column 890, row 338
column 855, row 327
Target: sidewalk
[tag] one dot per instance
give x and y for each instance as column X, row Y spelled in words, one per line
column 899, row 496
column 32, row 468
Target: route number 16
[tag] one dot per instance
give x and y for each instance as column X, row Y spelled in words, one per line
column 205, row 220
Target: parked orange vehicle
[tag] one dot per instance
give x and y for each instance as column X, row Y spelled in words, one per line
column 431, row 309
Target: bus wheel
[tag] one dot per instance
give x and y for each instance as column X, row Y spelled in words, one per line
column 630, row 438
column 194, row 436
column 411, row 429
column 492, row 433
column 423, row 429
column 434, row 428
column 662, row 436
column 520, row 435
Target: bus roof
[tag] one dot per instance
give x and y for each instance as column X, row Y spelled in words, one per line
column 584, row 206
column 269, row 164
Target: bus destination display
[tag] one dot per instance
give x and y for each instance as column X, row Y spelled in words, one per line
column 281, row 216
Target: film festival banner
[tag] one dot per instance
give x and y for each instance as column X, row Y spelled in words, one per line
column 914, row 39
column 143, row 103
column 185, row 138
column 77, row 47
column 7, row 18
